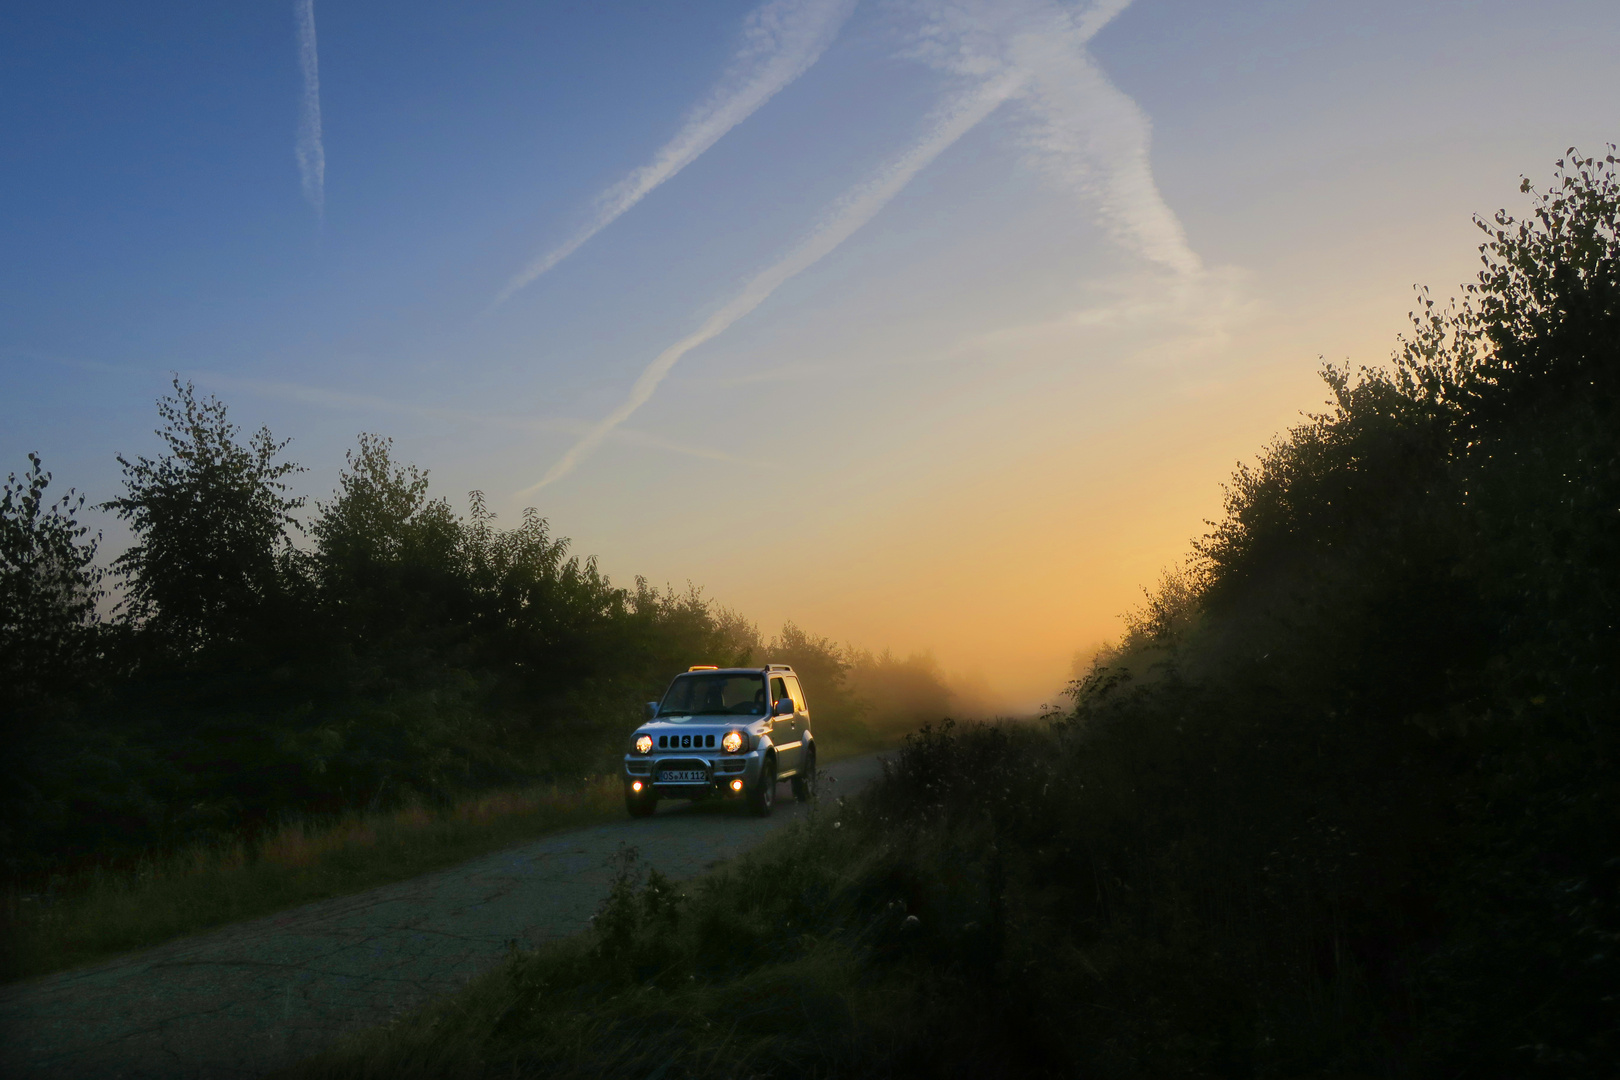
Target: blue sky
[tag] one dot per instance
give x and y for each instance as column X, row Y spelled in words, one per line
column 989, row 296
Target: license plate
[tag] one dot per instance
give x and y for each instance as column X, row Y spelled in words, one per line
column 683, row 776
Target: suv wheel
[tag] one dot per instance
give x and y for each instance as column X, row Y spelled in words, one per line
column 639, row 805
column 763, row 797
column 804, row 784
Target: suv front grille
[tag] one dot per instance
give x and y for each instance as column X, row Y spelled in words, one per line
column 685, row 742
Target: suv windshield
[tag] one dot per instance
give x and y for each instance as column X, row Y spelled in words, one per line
column 734, row 695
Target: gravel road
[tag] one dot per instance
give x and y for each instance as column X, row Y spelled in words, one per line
column 258, row 996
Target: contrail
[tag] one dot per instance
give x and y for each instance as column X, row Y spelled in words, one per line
column 1083, row 132
column 781, row 40
column 310, row 152
column 851, row 212
column 1095, row 139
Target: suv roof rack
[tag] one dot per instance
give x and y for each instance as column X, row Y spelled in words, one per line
column 778, row 667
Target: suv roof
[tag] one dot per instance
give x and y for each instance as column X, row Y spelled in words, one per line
column 711, row 667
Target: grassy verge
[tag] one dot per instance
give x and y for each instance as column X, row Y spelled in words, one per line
column 745, row 970
column 99, row 913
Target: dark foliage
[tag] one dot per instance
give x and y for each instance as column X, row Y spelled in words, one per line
column 210, row 519
column 49, row 586
column 409, row 653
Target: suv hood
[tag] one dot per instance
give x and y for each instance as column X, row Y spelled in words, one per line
column 691, row 727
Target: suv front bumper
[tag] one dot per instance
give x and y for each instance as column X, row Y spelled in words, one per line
column 721, row 770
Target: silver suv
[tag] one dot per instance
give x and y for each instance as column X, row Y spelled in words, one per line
column 732, row 732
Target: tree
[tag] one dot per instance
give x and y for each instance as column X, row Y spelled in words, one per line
column 210, row 519
column 49, row 587
column 380, row 516
column 1548, row 300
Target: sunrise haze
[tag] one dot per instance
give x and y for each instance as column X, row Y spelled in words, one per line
column 926, row 326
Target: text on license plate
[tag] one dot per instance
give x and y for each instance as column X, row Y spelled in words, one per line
column 683, row 776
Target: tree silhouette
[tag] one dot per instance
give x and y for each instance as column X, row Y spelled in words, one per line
column 210, row 518
column 49, row 587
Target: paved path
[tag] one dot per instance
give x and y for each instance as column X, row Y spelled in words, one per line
column 258, row 996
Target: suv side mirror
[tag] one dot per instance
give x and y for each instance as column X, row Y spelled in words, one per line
column 652, row 709
column 784, row 707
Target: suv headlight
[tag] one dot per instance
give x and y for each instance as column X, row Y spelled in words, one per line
column 643, row 744
column 732, row 743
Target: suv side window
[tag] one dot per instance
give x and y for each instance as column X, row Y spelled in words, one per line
column 779, row 691
column 796, row 693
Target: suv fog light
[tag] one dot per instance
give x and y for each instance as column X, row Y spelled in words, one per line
column 732, row 742
column 635, row 785
column 736, row 785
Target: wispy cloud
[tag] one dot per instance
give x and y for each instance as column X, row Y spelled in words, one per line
column 855, row 209
column 1090, row 136
column 1173, row 322
column 781, row 40
column 310, row 151
column 1079, row 129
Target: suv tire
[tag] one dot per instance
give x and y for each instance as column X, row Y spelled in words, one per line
column 763, row 797
column 804, row 784
column 639, row 805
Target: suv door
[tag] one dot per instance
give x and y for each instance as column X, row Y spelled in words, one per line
column 785, row 728
column 801, row 713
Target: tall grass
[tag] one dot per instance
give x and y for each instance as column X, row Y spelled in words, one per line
column 103, row 911
column 749, row 972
